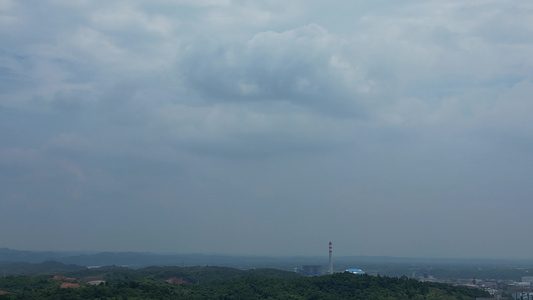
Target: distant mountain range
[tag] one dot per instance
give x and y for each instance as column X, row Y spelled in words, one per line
column 9, row 255
column 141, row 259
column 47, row 267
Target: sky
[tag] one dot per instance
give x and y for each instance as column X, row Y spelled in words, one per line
column 391, row 128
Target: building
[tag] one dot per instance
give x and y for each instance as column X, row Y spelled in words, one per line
column 527, row 278
column 356, row 271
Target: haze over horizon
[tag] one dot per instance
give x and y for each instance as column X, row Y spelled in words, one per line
column 268, row 127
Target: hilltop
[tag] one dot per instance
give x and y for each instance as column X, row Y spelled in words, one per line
column 222, row 283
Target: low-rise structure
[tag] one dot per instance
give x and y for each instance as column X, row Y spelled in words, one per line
column 96, row 282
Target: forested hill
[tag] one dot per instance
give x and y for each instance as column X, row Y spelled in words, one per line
column 191, row 275
column 223, row 283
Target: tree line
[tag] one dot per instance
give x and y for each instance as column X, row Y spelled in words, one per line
column 228, row 283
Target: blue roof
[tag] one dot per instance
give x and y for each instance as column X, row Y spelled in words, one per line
column 356, row 271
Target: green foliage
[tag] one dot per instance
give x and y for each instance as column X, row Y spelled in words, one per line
column 27, row 283
column 198, row 274
column 338, row 286
column 227, row 283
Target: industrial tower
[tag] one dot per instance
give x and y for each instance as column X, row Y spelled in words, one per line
column 330, row 270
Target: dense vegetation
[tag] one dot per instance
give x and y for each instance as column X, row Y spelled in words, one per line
column 226, row 283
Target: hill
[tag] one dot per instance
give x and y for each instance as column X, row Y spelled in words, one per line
column 9, row 256
column 196, row 275
column 226, row 283
column 389, row 266
column 44, row 268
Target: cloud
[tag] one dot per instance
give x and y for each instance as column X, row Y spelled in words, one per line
column 301, row 67
column 272, row 117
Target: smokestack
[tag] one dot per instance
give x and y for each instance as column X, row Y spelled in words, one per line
column 330, row 271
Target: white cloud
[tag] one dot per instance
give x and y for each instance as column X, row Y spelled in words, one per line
column 122, row 18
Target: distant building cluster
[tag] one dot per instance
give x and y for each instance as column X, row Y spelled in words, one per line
column 497, row 288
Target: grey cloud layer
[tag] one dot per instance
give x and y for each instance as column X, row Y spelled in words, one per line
column 249, row 125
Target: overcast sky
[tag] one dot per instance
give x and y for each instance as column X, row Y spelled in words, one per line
column 398, row 128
